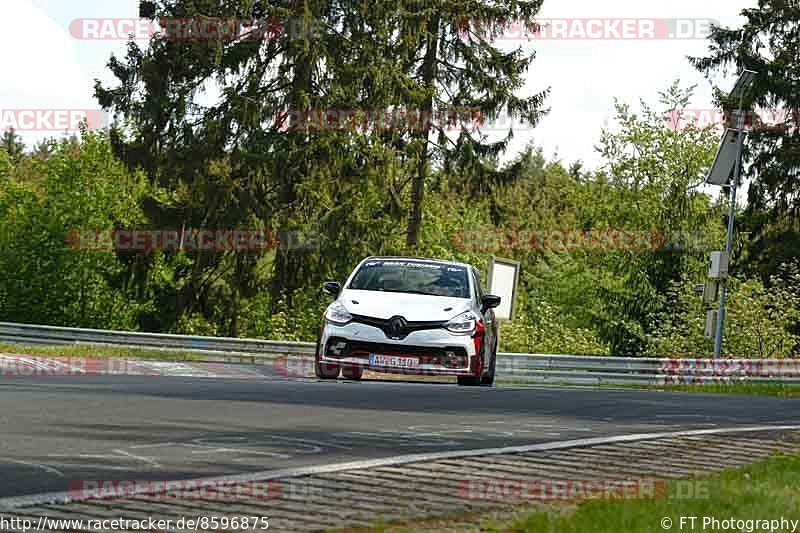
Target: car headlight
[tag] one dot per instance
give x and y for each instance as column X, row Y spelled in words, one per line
column 464, row 323
column 338, row 314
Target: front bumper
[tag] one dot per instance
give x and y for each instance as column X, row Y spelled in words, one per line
column 438, row 351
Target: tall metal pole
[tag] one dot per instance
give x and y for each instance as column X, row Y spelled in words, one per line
column 729, row 240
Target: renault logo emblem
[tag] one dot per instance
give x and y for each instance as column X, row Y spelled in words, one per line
column 397, row 326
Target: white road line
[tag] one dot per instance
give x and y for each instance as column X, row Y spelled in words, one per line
column 148, row 460
column 40, row 466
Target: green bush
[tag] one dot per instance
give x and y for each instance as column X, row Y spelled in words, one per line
column 540, row 328
column 759, row 321
column 46, row 279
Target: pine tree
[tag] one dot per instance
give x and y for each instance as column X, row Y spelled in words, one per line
column 255, row 155
column 456, row 64
column 12, row 144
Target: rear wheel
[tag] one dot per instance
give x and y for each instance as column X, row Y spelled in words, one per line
column 488, row 378
column 352, row 372
column 469, row 381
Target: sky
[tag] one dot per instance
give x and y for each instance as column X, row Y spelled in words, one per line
column 44, row 67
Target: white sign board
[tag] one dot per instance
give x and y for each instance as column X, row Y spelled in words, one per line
column 502, row 281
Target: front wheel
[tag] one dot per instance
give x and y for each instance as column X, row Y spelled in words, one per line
column 352, row 372
column 324, row 370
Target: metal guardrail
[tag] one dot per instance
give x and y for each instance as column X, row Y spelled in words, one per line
column 517, row 367
column 56, row 335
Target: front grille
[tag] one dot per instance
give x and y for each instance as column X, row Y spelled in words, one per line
column 355, row 348
column 385, row 325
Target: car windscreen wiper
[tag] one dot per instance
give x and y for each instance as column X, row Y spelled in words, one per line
column 416, row 292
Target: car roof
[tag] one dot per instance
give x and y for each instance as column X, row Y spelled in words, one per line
column 396, row 258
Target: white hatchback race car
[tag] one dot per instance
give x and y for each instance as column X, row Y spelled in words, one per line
column 410, row 316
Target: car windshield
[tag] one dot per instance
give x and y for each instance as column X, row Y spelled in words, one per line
column 414, row 277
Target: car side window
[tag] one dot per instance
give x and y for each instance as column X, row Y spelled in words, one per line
column 476, row 278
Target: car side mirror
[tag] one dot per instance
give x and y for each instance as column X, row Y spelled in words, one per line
column 332, row 287
column 490, row 301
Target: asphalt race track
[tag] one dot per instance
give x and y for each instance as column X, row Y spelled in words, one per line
column 57, row 431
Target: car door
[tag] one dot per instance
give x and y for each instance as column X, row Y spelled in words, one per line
column 489, row 321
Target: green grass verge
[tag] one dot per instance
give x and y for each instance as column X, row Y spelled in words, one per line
column 85, row 350
column 781, row 390
column 766, row 490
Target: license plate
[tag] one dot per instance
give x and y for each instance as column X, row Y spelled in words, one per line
column 393, row 361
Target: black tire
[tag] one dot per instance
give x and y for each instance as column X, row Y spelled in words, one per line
column 469, row 381
column 325, row 370
column 352, row 372
column 488, row 379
